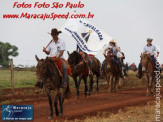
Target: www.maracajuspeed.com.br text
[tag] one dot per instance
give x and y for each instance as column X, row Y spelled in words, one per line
column 47, row 16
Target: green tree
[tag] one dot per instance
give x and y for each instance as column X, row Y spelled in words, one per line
column 6, row 50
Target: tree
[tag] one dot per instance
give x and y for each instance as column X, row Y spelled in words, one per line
column 6, row 50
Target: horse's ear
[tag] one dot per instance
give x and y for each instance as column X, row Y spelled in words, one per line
column 141, row 55
column 68, row 53
column 37, row 58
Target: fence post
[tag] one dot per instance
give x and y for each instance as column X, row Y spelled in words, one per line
column 12, row 74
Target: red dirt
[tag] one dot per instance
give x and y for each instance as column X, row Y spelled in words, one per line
column 86, row 106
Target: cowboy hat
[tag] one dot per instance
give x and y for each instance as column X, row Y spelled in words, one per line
column 54, row 31
column 112, row 41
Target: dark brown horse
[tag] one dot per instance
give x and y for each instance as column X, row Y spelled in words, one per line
column 95, row 68
column 148, row 73
column 49, row 78
column 78, row 69
column 111, row 73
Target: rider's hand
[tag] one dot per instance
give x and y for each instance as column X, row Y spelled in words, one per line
column 57, row 58
column 44, row 49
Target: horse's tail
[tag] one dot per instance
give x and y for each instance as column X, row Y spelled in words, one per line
column 67, row 92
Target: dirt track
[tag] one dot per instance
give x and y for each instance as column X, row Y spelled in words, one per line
column 96, row 103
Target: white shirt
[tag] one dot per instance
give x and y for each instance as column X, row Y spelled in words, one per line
column 119, row 54
column 55, row 48
column 114, row 48
column 150, row 49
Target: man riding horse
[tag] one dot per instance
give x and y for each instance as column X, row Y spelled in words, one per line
column 148, row 49
column 115, row 49
column 55, row 50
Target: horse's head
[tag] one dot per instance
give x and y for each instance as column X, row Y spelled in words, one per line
column 144, row 61
column 40, row 71
column 108, row 58
column 74, row 58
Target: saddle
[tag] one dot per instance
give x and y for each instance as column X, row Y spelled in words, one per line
column 59, row 65
column 92, row 58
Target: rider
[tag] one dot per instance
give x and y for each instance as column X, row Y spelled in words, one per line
column 85, row 58
column 56, row 49
column 148, row 49
column 115, row 49
column 121, row 57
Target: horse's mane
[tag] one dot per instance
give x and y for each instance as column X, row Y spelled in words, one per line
column 78, row 57
column 51, row 71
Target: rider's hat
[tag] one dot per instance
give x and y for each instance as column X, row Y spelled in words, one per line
column 149, row 39
column 112, row 41
column 54, row 31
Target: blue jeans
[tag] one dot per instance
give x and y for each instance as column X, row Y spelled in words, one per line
column 64, row 68
column 118, row 60
column 103, row 64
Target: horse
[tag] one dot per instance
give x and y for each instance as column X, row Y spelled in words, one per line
column 78, row 69
column 49, row 78
column 111, row 73
column 148, row 73
column 95, row 68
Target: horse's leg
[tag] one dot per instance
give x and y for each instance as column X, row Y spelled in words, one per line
column 86, row 87
column 147, row 84
column 51, row 107
column 75, row 80
column 97, row 78
column 150, row 85
column 61, row 100
column 90, row 84
column 110, row 83
column 116, row 84
column 78, row 84
column 153, row 85
column 56, row 105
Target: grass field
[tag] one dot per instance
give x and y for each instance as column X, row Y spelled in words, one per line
column 27, row 78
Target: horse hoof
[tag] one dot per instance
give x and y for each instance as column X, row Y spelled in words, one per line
column 50, row 117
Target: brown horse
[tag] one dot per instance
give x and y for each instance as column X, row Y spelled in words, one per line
column 78, row 69
column 95, row 68
column 111, row 73
column 49, row 78
column 148, row 73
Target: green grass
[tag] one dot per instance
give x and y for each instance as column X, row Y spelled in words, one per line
column 21, row 79
column 27, row 78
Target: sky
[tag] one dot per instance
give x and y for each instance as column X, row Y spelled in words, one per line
column 129, row 22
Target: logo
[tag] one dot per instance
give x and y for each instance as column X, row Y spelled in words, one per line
column 17, row 112
column 86, row 35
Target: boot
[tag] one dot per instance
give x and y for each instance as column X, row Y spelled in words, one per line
column 139, row 75
column 64, row 85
